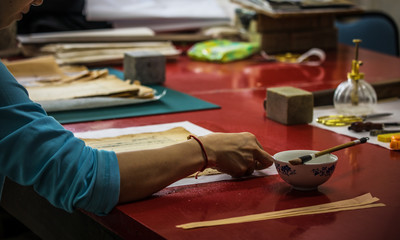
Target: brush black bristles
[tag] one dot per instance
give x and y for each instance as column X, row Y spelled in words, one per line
column 301, row 160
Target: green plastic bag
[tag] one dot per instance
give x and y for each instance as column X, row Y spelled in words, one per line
column 222, row 50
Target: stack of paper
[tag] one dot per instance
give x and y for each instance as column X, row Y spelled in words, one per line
column 94, row 47
column 92, row 53
column 292, row 6
column 95, row 35
column 76, row 87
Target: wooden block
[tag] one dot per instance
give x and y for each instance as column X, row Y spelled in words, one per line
column 146, row 66
column 289, row 105
column 297, row 33
column 298, row 41
column 296, row 23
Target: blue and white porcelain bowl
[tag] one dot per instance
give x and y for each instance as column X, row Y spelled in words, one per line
column 307, row 176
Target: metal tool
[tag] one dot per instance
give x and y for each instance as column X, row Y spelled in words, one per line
column 368, row 126
column 376, row 132
column 345, row 120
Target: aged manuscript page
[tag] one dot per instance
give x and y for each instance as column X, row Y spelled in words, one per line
column 154, row 136
column 141, row 141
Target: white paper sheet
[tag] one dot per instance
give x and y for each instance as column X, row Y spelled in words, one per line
column 113, row 132
column 92, row 35
column 94, row 102
column 170, row 24
column 160, row 15
column 131, row 9
column 194, row 129
column 382, row 107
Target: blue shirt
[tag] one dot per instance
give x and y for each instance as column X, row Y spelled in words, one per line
column 36, row 150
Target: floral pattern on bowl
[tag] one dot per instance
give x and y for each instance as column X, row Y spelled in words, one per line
column 285, row 169
column 324, row 171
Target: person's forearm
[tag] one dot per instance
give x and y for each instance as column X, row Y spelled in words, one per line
column 143, row 173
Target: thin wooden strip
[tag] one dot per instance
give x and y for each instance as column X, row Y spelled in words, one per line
column 359, row 202
column 363, row 199
column 250, row 218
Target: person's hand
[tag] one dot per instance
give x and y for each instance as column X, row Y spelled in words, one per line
column 237, row 154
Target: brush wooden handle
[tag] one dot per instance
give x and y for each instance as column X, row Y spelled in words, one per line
column 338, row 147
column 308, row 157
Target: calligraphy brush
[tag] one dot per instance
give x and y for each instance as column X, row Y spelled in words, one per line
column 306, row 158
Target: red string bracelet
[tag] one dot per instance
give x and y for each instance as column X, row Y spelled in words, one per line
column 203, row 152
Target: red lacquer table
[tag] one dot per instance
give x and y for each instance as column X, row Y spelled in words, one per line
column 239, row 88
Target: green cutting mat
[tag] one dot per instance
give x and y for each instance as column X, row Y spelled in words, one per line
column 172, row 102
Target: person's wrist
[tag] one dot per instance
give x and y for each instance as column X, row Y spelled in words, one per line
column 203, row 152
column 209, row 145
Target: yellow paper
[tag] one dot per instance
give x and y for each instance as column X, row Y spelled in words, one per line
column 143, row 141
column 140, row 141
column 106, row 86
column 28, row 71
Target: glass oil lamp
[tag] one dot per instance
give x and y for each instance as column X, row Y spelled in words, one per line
column 355, row 96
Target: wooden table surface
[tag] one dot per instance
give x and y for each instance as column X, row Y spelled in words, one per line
column 239, row 88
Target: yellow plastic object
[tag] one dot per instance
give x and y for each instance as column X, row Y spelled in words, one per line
column 287, row 57
column 355, row 73
column 387, row 137
column 222, row 50
column 395, row 142
column 338, row 120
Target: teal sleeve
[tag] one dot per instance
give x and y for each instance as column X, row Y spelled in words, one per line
column 36, row 150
